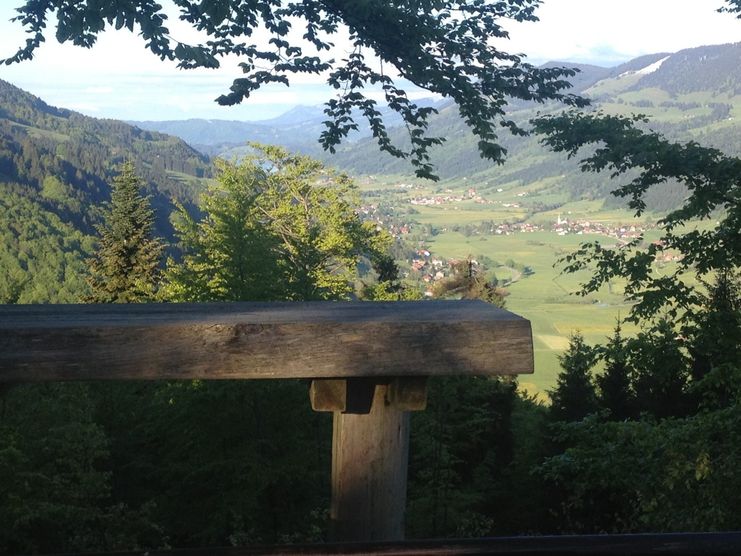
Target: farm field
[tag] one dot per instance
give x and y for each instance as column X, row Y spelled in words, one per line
column 545, row 296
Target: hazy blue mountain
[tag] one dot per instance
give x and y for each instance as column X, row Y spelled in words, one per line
column 217, row 136
column 297, row 115
column 297, row 129
column 588, row 74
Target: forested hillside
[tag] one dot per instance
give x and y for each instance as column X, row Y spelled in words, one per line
column 691, row 94
column 55, row 169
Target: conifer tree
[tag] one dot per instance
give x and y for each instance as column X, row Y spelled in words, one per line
column 615, row 392
column 661, row 370
column 574, row 396
column 715, row 343
column 126, row 265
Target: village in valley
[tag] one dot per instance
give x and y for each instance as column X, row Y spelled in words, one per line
column 428, row 268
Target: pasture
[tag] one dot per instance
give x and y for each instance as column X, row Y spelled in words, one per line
column 545, row 297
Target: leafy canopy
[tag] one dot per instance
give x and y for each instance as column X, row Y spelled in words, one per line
column 275, row 227
column 442, row 46
column 732, row 6
column 705, row 231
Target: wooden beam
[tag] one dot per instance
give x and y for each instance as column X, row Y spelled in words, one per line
column 369, row 472
column 642, row 544
column 354, row 395
column 408, row 393
column 261, row 341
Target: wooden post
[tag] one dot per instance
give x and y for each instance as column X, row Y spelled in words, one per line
column 370, row 452
column 369, row 472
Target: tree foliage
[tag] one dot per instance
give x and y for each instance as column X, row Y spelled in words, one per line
column 714, row 339
column 461, row 447
column 126, row 265
column 55, row 480
column 714, row 193
column 643, row 476
column 467, row 280
column 661, row 371
column 732, row 6
column 574, row 396
column 276, row 226
column 614, row 384
column 41, row 256
column 444, row 47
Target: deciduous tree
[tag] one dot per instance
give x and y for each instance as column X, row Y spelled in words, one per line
column 714, row 192
column 442, row 46
column 275, row 227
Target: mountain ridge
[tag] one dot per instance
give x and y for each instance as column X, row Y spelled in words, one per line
column 56, row 166
column 693, row 70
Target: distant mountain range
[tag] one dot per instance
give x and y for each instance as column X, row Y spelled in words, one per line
column 297, row 130
column 692, row 93
column 56, row 165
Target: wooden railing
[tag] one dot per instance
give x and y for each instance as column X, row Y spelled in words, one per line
column 674, row 544
column 368, row 364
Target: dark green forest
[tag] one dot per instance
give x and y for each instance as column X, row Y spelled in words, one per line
column 649, row 443
column 642, row 433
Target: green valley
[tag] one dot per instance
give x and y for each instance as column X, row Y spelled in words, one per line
column 526, row 213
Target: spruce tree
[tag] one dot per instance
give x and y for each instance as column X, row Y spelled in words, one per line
column 661, row 371
column 574, row 396
column 715, row 343
column 615, row 392
column 126, row 265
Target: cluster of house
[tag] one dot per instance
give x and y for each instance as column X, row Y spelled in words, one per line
column 370, row 212
column 521, row 227
column 620, row 231
column 665, row 254
column 431, row 269
column 449, row 197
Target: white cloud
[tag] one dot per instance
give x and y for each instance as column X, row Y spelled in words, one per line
column 98, row 90
column 617, row 30
column 84, row 107
column 119, row 78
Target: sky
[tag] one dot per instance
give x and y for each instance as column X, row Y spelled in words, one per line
column 119, row 79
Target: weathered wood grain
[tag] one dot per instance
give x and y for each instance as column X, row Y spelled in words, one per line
column 369, row 472
column 261, row 340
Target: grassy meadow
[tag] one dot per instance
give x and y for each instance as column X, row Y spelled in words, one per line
column 539, row 188
column 545, row 297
